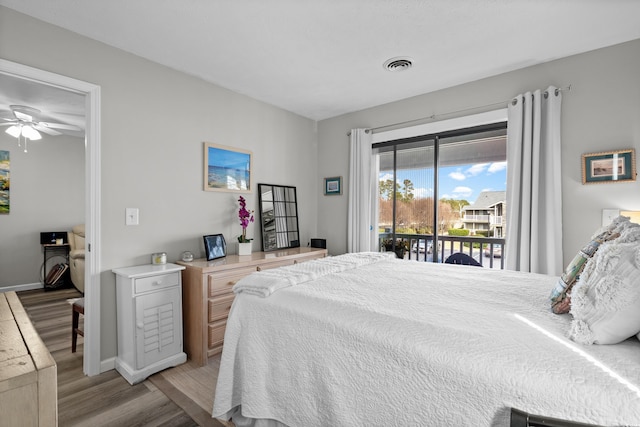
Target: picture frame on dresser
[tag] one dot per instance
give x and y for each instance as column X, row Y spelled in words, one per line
column 214, row 246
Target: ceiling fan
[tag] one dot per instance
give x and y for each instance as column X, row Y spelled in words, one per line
column 26, row 124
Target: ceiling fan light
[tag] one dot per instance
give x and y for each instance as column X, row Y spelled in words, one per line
column 31, row 133
column 14, row 131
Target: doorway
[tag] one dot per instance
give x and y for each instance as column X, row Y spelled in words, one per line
column 91, row 357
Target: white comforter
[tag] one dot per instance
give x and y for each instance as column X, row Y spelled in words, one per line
column 392, row 342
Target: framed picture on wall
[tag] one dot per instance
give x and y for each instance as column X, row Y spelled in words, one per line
column 609, row 166
column 333, row 186
column 227, row 168
column 5, row 169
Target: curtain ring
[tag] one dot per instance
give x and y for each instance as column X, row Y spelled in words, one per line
column 546, row 94
column 514, row 101
column 558, row 91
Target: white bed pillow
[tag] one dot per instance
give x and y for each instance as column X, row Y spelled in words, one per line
column 605, row 302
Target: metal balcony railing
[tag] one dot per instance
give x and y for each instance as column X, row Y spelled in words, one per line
column 488, row 251
column 476, row 218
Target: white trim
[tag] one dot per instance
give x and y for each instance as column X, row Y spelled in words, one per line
column 108, row 364
column 24, row 287
column 92, row 365
column 495, row 116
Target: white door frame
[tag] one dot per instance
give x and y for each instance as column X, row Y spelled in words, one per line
column 92, row 362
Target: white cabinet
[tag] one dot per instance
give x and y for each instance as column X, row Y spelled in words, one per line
column 149, row 313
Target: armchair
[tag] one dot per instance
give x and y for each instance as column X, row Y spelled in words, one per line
column 76, row 256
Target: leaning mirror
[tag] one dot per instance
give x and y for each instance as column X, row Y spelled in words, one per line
column 278, row 217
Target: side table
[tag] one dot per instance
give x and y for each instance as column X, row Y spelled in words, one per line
column 50, row 251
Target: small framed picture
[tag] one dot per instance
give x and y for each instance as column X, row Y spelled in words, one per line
column 333, row 186
column 215, row 246
column 609, row 166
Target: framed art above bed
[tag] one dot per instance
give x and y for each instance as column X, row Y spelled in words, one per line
column 609, row 166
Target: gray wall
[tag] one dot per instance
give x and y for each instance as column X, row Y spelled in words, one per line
column 601, row 112
column 47, row 194
column 154, row 122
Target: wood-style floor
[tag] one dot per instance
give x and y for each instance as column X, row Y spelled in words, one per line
column 102, row 400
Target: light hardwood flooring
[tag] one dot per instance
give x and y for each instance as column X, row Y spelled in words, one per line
column 180, row 396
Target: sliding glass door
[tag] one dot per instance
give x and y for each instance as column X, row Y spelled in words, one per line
column 429, row 188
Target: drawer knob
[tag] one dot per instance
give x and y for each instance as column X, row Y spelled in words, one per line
column 140, row 325
column 231, row 283
column 258, row 268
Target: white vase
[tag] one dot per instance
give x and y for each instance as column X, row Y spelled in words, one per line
column 244, row 248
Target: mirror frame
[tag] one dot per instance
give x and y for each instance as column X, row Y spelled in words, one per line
column 278, row 217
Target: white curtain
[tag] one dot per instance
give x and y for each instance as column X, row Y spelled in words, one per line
column 361, row 219
column 534, row 183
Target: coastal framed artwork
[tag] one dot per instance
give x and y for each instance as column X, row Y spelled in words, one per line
column 5, row 170
column 333, row 186
column 227, row 168
column 609, row 166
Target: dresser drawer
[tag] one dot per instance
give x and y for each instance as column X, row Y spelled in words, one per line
column 146, row 284
column 276, row 264
column 219, row 284
column 216, row 333
column 219, row 307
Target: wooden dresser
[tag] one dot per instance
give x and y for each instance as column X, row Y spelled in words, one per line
column 28, row 373
column 207, row 294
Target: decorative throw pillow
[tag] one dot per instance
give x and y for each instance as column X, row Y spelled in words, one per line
column 606, row 300
column 561, row 293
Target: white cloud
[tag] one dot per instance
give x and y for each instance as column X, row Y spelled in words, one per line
column 457, row 175
column 477, row 169
column 421, row 193
column 497, row 167
column 387, row 176
column 462, row 191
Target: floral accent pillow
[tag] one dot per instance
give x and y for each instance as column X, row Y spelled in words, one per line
column 561, row 294
column 606, row 301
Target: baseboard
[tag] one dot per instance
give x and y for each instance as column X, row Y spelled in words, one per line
column 25, row 287
column 108, row 364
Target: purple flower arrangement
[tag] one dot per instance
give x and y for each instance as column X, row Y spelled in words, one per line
column 245, row 216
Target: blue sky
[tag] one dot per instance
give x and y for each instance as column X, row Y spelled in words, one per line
column 457, row 182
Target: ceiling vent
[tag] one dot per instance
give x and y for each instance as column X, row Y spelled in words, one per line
column 399, row 63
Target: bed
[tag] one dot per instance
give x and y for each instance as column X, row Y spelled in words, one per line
column 370, row 340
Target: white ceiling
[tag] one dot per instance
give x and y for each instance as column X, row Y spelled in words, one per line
column 323, row 58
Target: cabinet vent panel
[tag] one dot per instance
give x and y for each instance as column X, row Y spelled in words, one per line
column 158, row 327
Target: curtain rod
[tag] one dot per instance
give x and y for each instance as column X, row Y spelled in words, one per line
column 433, row 116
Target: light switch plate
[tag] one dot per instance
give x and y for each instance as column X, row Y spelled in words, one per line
column 609, row 215
column 132, row 216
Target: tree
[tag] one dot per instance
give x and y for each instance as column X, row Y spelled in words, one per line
column 456, row 205
column 386, row 188
column 407, row 191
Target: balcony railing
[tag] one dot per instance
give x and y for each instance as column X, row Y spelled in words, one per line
column 476, row 218
column 488, row 251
